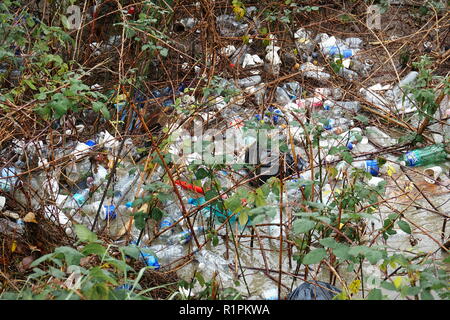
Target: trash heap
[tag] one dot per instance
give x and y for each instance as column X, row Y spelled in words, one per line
column 98, row 183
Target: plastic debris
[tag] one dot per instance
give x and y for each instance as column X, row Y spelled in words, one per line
column 316, row 290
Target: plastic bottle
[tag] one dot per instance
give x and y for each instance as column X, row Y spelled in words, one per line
column 149, row 259
column 370, row 166
column 166, row 222
column 184, row 237
column 229, row 27
column 273, row 60
column 211, row 262
column 425, row 156
column 379, row 137
column 249, row 81
column 168, row 254
column 348, row 74
column 293, row 89
column 353, row 42
column 8, row 179
column 281, row 96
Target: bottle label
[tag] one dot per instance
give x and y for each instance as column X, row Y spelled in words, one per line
column 412, row 159
column 109, row 212
column 372, row 167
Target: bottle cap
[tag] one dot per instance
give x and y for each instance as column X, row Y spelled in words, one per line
column 90, row 143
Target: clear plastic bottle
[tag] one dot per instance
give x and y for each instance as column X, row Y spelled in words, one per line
column 8, row 178
column 212, row 262
column 184, row 237
column 249, row 81
column 281, row 96
column 229, row 27
column 168, row 254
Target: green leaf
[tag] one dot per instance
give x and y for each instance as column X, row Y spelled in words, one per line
column 94, row 248
column 358, row 250
column 303, row 225
column 243, row 218
column 201, row 173
column 329, row 243
column 157, row 214
column 105, row 113
column 139, row 219
column 200, row 279
column 347, row 157
column 404, row 226
column 388, row 286
column 163, row 52
column 84, row 234
column 56, row 273
column 412, row 291
column 314, row 256
column 38, row 261
column 131, row 251
column 102, row 275
column 342, row 251
column 375, row 294
column 362, row 119
column 210, row 194
column 71, row 255
column 65, row 22
column 426, row 295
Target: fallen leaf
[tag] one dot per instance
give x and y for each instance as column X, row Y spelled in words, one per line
column 30, row 217
column 25, row 264
column 33, row 248
column 14, row 246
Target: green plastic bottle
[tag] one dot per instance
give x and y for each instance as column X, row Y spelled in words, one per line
column 421, row 157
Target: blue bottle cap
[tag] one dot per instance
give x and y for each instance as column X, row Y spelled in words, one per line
column 90, row 143
column 129, row 204
column 350, row 146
